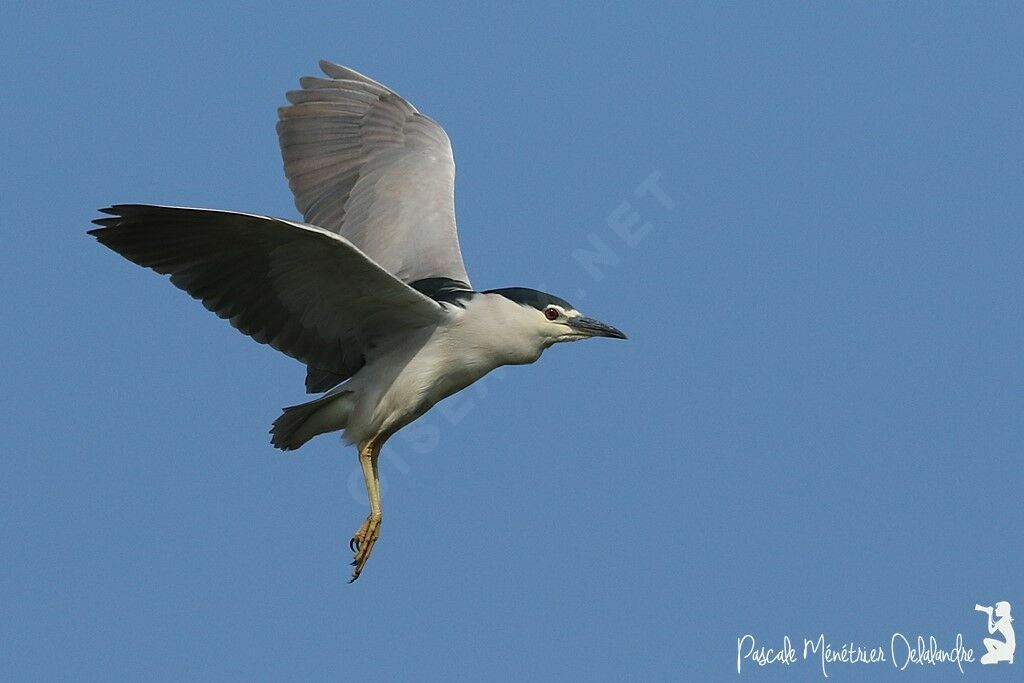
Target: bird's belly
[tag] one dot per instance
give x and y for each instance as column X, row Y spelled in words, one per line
column 422, row 383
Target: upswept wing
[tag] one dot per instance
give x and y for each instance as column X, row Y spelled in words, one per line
column 362, row 162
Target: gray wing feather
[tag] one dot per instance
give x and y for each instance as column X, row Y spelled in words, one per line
column 305, row 291
column 362, row 162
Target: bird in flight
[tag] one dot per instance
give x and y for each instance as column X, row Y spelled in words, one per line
column 370, row 291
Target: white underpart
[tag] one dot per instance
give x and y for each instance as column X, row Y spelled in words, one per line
column 405, row 376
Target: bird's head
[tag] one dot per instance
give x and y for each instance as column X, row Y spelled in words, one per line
column 555, row 319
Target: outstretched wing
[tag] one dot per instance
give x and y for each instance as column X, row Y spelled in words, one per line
column 305, row 291
column 362, row 162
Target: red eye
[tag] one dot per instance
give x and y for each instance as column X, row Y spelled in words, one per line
column 551, row 313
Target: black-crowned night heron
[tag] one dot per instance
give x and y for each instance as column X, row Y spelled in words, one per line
column 370, row 292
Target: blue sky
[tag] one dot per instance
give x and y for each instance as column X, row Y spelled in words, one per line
column 815, row 426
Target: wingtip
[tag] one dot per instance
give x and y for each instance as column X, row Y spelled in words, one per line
column 113, row 215
column 332, row 69
column 342, row 72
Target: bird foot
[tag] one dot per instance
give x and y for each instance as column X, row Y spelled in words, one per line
column 362, row 543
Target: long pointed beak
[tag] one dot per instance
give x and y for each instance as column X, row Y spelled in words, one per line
column 594, row 328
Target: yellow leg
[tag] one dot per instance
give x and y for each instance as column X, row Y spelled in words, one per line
column 367, row 534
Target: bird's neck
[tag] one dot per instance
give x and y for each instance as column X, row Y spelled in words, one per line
column 501, row 330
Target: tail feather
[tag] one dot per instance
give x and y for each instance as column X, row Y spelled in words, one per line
column 298, row 424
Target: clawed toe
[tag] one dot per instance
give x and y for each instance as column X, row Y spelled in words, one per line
column 362, row 544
